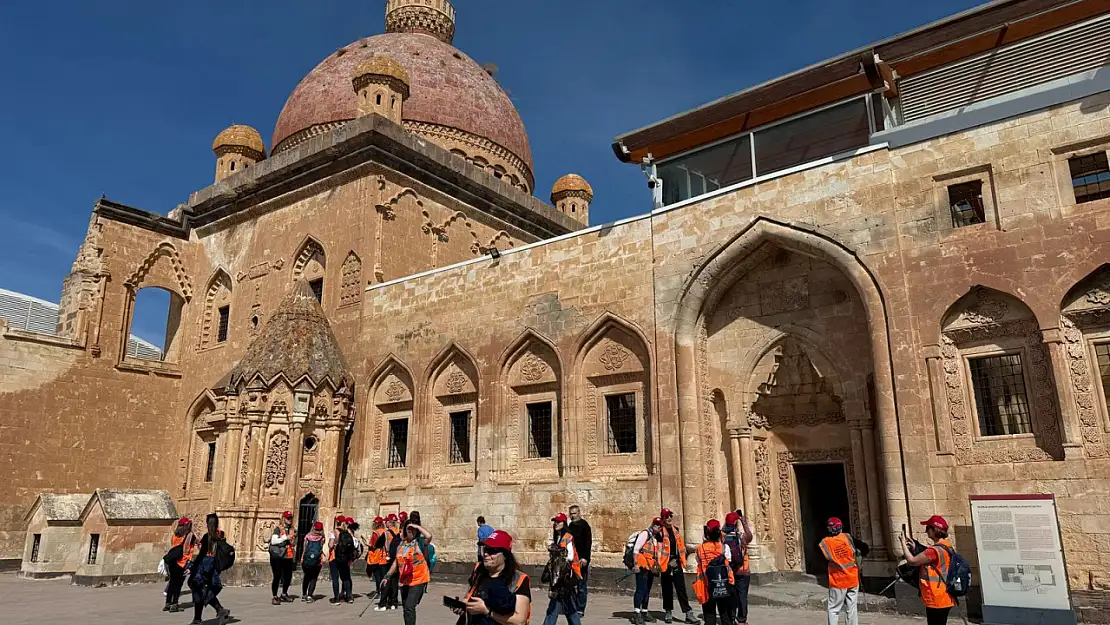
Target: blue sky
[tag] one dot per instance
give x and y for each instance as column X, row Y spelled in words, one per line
column 124, row 98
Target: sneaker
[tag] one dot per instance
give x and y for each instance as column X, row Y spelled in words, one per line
column 638, row 618
column 379, row 608
column 648, row 618
column 222, row 615
column 174, row 607
column 196, row 621
column 334, row 601
column 667, row 618
column 310, row 599
column 692, row 618
column 166, row 608
column 286, row 598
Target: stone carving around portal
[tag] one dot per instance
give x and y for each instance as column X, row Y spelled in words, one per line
column 791, row 523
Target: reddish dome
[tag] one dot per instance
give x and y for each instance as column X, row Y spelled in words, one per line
column 447, row 88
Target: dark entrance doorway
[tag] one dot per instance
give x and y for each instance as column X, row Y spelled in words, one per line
column 822, row 493
column 306, row 516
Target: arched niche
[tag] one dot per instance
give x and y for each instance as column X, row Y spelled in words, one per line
column 453, row 384
column 1001, row 397
column 392, row 394
column 216, row 317
column 202, row 449
column 1085, row 325
column 310, row 264
column 531, row 381
column 612, row 432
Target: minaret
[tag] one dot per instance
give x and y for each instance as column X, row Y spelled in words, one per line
column 237, row 148
column 431, row 17
column 382, row 86
column 572, row 195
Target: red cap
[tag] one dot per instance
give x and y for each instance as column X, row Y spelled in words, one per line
column 392, row 517
column 318, row 526
column 350, row 520
column 664, row 513
column 498, row 540
column 184, row 521
column 339, row 517
column 936, row 522
column 378, row 519
column 559, row 518
column 657, row 521
column 732, row 518
column 287, row 515
column 713, row 524
column 404, row 515
column 835, row 523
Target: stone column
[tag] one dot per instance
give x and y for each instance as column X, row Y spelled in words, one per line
column 1061, row 373
column 939, row 403
column 747, row 463
column 862, row 477
column 253, row 491
column 228, row 481
column 737, row 464
column 296, row 455
column 875, row 504
column 329, row 459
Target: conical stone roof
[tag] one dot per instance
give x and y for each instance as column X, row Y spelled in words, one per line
column 295, row 342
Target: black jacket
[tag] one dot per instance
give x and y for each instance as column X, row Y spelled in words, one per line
column 583, row 538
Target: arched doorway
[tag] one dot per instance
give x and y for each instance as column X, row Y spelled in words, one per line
column 307, row 514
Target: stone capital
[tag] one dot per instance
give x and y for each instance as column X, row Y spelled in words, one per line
column 1053, row 335
column 931, row 351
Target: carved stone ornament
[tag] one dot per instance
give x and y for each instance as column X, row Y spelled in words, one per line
column 277, row 459
column 244, row 463
column 614, row 356
column 986, row 309
column 456, row 381
column 1083, row 389
column 763, row 479
column 533, row 368
column 395, row 391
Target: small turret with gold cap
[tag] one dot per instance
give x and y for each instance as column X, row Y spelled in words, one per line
column 572, row 195
column 237, row 148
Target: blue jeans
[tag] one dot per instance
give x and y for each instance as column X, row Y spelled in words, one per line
column 643, row 589
column 564, row 607
column 582, row 591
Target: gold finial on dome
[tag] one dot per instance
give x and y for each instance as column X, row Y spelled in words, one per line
column 237, row 148
column 431, row 17
column 382, row 86
column 572, row 195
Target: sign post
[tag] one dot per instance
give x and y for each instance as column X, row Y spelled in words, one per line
column 1021, row 560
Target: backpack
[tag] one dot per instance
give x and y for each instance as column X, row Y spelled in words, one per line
column 345, row 548
column 225, row 555
column 716, row 578
column 738, row 549
column 959, row 574
column 173, row 555
column 630, row 550
column 313, row 552
column 430, row 556
column 559, row 574
column 276, row 551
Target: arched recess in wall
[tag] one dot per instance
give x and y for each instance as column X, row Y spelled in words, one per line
column 453, row 385
column 1001, row 399
column 351, row 286
column 390, row 416
column 612, row 431
column 201, row 449
column 216, row 318
column 707, row 284
column 310, row 263
column 1085, row 325
column 163, row 270
column 530, row 433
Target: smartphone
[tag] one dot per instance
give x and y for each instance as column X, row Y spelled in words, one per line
column 904, row 530
column 454, row 603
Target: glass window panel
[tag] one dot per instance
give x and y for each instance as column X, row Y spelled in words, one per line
column 706, row 170
column 834, row 130
column 622, row 423
column 539, row 430
column 1000, row 398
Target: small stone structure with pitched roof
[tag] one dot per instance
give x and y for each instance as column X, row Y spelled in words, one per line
column 53, row 535
column 124, row 533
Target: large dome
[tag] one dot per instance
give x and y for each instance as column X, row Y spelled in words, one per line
column 447, row 88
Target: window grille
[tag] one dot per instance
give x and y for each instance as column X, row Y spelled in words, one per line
column 210, row 467
column 398, row 443
column 539, row 430
column 36, row 544
column 622, row 423
column 965, row 200
column 1090, row 177
column 225, row 318
column 317, row 287
column 1000, row 397
column 94, row 545
column 460, row 437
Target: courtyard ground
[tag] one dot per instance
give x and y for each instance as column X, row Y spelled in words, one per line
column 50, row 602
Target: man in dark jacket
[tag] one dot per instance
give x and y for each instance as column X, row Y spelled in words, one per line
column 583, row 536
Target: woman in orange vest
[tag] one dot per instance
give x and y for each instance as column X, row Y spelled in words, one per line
column 649, row 555
column 181, row 544
column 564, row 588
column 714, row 581
column 411, row 567
column 840, row 550
column 500, row 593
column 672, row 578
column 388, row 599
column 376, row 558
column 934, row 562
column 283, row 553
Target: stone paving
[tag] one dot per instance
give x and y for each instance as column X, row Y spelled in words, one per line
column 49, row 602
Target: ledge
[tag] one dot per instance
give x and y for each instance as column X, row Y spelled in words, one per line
column 44, row 339
column 154, row 367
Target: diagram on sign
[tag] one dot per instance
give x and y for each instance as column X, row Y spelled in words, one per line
column 1025, row 577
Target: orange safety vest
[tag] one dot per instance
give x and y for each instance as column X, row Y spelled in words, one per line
column 291, row 534
column 410, row 552
column 706, row 552
column 377, row 556
column 186, row 550
column 575, row 564
column 665, row 549
column 840, row 551
column 649, row 557
column 518, row 580
column 933, row 581
column 333, row 540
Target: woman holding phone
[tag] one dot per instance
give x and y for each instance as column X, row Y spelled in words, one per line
column 500, row 593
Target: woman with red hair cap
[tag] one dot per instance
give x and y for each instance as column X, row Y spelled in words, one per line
column 177, row 562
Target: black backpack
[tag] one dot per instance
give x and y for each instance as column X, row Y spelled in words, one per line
column 737, row 548
column 173, row 556
column 345, row 548
column 716, row 578
column 225, row 555
column 630, row 550
column 959, row 574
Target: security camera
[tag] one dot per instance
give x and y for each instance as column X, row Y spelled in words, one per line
column 652, row 182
